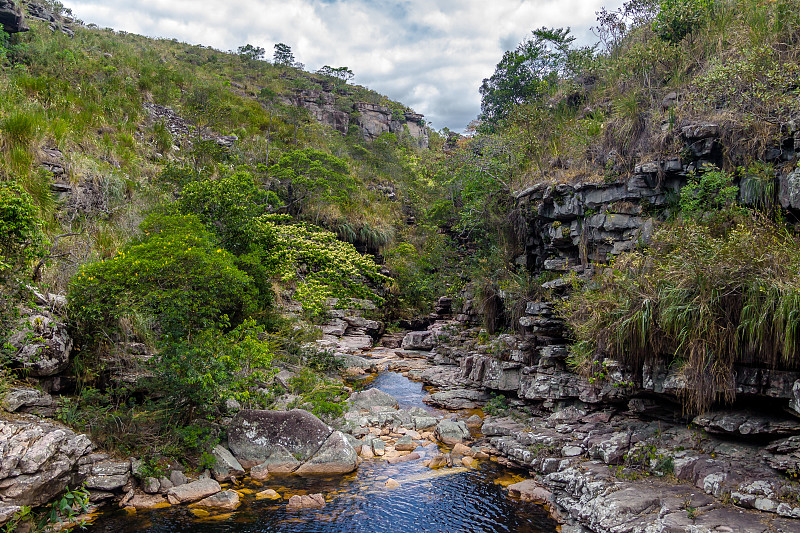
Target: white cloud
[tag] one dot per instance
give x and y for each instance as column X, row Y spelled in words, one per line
column 429, row 54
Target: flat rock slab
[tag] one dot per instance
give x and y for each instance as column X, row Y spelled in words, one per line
column 227, row 500
column 254, row 435
column 194, row 491
column 312, row 501
column 530, row 491
column 746, row 424
column 458, row 399
column 366, row 400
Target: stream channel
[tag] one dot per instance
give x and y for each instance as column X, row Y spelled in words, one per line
column 430, row 500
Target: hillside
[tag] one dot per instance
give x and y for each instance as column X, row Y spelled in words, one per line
column 607, row 263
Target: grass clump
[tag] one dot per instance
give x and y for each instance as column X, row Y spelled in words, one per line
column 703, row 297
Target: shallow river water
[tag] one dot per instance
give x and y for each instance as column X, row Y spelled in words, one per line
column 442, row 500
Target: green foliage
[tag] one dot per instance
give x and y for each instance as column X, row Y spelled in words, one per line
column 678, row 18
column 314, row 181
column 176, row 272
column 706, row 192
column 530, row 72
column 283, row 55
column 701, row 299
column 249, row 51
column 21, row 237
column 497, row 405
column 211, row 366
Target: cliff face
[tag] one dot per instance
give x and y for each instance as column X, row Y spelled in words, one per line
column 11, row 17
column 372, row 120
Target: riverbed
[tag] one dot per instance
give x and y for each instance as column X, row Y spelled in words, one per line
column 457, row 499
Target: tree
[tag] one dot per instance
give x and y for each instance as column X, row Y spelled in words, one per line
column 21, row 237
column 530, row 72
column 249, row 51
column 342, row 73
column 283, row 55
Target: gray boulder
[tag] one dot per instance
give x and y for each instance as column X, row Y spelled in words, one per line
column 452, row 432
column 336, row 456
column 194, row 491
column 11, row 17
column 789, row 190
column 42, row 345
column 33, row 401
column 225, row 464
column 366, row 400
column 458, row 399
column 419, row 340
column 254, row 436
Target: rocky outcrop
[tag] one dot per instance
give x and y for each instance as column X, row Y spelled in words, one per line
column 375, row 120
column 289, row 442
column 40, row 459
column 11, row 17
column 42, row 344
column 322, row 107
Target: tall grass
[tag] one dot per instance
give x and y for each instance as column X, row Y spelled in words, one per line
column 703, row 298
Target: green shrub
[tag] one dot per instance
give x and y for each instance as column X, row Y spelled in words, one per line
column 706, row 192
column 21, row 237
column 678, row 18
column 176, row 272
column 201, row 371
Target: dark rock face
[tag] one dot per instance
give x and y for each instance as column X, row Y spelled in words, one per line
column 11, row 17
column 253, row 436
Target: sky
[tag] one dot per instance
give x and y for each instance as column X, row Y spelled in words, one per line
column 431, row 55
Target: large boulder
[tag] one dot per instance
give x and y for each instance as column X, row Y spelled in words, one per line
column 11, row 17
column 458, row 399
column 39, row 459
column 41, row 345
column 254, row 436
column 225, row 464
column 452, row 432
column 366, row 400
column 419, row 340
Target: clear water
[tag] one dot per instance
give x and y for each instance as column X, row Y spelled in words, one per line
column 442, row 500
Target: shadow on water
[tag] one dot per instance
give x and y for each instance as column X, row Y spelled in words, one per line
column 443, row 500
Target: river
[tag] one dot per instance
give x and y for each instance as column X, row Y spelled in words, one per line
column 427, row 500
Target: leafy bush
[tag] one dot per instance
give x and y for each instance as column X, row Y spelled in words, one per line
column 176, row 272
column 706, row 192
column 678, row 18
column 211, row 366
column 21, row 237
column 701, row 299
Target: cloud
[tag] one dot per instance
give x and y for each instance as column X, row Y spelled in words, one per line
column 429, row 54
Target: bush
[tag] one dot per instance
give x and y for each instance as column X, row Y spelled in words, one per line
column 176, row 272
column 203, row 370
column 678, row 18
column 21, row 237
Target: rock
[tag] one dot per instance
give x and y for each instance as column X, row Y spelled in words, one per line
column 11, row 17
column 336, row 456
column 366, row 452
column 164, row 484
column 405, row 444
column 227, row 500
column 438, row 461
column 474, row 421
column 283, row 379
column 312, row 501
column 177, row 478
column 700, row 131
column 391, row 484
column 419, row 340
column 404, row 458
column 351, row 361
column 670, row 100
column 225, row 464
column 366, row 400
column 458, row 399
column 33, row 401
column 789, row 190
column 39, row 459
column 42, row 345
column 269, row 494
column 378, row 447
column 146, row 501
column 254, row 436
column 746, row 423
column 451, row 432
column 194, row 491
column 151, row 485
